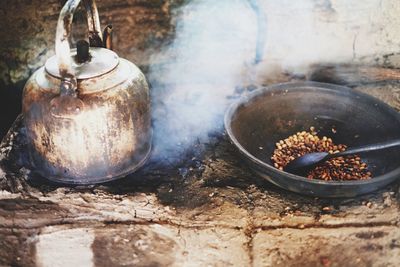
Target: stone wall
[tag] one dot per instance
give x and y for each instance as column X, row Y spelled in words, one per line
column 28, row 31
column 315, row 31
column 297, row 34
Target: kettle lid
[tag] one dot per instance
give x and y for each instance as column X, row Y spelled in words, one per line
column 98, row 61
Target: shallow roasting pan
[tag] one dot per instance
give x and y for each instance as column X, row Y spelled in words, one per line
column 257, row 121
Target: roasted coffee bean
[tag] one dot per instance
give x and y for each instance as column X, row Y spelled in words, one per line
column 338, row 169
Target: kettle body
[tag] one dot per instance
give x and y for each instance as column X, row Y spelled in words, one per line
column 88, row 122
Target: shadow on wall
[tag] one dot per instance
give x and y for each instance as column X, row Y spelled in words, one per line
column 10, row 106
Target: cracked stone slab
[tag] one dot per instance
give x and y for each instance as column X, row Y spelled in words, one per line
column 223, row 193
column 216, row 212
column 140, row 245
column 363, row 246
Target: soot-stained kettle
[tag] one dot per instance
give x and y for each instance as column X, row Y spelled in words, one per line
column 87, row 111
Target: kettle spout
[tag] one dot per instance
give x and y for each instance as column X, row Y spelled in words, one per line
column 107, row 37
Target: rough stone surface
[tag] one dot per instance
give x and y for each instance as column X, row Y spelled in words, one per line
column 314, row 31
column 28, row 31
column 207, row 209
column 216, row 213
column 361, row 246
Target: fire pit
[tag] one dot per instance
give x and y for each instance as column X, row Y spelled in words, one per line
column 256, row 122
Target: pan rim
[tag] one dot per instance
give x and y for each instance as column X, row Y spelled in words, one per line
column 232, row 109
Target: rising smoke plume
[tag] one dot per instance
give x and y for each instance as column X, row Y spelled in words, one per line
column 214, row 47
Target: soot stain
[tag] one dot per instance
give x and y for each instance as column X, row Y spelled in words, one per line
column 132, row 246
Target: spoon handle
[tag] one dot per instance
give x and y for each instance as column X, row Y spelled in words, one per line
column 368, row 148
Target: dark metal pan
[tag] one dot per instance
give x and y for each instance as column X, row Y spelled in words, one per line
column 257, row 121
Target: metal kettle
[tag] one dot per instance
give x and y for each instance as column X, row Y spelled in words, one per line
column 87, row 111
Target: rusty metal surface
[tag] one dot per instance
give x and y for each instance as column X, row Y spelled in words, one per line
column 88, row 122
column 101, row 61
column 103, row 134
column 95, row 34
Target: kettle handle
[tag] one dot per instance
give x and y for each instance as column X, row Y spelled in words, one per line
column 69, row 82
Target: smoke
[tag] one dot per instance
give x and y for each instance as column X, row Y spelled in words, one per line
column 217, row 44
column 213, row 52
